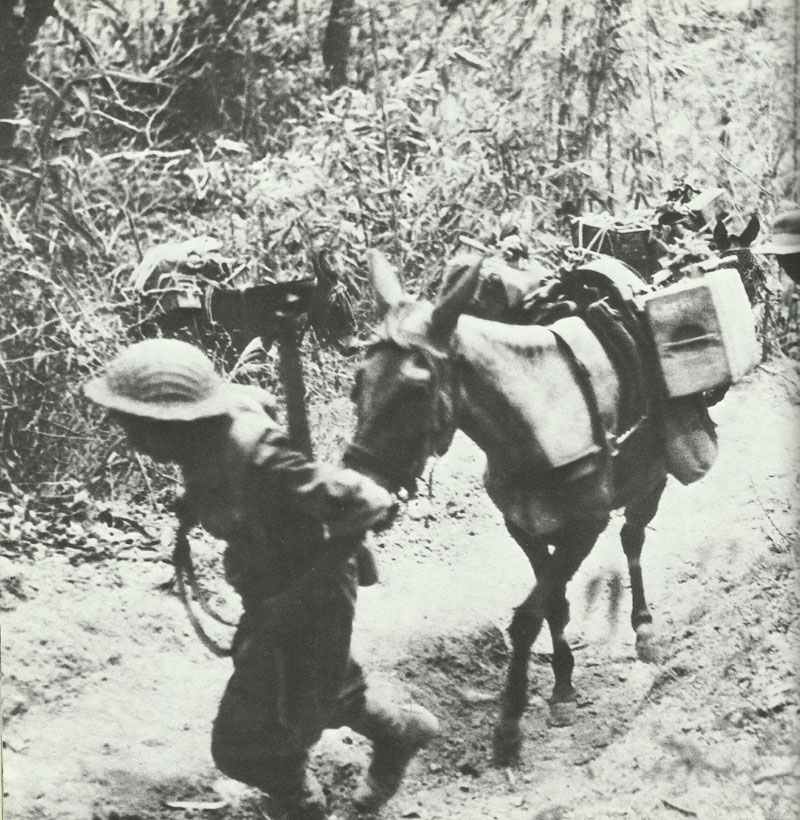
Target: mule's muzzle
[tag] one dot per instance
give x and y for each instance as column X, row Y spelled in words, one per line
column 378, row 468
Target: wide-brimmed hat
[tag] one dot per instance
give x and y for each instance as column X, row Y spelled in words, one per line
column 785, row 235
column 165, row 380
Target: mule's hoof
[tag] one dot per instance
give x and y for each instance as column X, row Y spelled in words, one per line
column 507, row 742
column 647, row 649
column 563, row 713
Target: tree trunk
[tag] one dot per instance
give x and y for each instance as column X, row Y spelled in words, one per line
column 336, row 43
column 20, row 21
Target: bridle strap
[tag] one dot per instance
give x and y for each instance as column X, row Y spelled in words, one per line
column 435, row 432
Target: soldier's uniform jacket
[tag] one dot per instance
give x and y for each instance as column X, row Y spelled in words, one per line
column 276, row 510
column 273, row 506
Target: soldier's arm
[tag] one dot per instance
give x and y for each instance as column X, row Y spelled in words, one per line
column 344, row 500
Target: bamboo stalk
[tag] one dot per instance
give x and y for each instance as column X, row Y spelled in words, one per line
column 795, row 135
column 379, row 100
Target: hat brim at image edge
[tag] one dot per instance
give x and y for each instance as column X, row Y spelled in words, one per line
column 780, row 247
column 218, row 404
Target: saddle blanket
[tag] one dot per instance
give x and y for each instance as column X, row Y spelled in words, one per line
column 544, row 407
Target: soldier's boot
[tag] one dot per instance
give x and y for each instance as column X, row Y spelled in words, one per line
column 304, row 802
column 397, row 732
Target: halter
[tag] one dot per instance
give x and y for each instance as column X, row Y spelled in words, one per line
column 440, row 430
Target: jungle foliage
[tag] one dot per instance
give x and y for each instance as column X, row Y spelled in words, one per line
column 255, row 122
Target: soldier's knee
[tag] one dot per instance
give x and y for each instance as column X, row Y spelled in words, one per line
column 236, row 753
column 230, row 759
column 253, row 761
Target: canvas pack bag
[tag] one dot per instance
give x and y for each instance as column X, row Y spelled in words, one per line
column 690, row 439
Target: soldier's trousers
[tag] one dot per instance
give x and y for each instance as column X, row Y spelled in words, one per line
column 285, row 691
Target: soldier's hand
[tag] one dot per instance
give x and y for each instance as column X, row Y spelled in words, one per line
column 367, row 505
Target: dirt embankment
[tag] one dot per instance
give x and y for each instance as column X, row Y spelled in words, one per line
column 108, row 697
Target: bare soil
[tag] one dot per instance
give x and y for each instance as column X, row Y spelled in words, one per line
column 108, row 697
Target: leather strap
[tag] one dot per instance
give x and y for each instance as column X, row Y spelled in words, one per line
column 601, row 437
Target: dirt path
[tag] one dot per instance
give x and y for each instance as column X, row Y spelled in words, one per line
column 108, row 697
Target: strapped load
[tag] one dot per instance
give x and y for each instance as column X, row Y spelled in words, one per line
column 502, row 289
column 606, row 299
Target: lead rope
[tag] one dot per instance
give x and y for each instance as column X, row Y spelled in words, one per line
column 182, row 561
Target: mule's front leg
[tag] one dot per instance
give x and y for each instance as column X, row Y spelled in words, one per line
column 572, row 545
column 524, row 629
column 637, row 517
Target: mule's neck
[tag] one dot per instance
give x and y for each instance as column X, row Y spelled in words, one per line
column 484, row 410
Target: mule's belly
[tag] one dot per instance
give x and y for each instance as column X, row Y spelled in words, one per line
column 543, row 505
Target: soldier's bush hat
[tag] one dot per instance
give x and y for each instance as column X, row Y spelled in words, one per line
column 785, row 234
column 165, row 380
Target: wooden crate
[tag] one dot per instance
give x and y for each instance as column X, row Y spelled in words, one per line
column 703, row 331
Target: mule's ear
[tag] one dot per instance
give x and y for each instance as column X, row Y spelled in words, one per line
column 385, row 280
column 721, row 238
column 458, row 287
column 750, row 231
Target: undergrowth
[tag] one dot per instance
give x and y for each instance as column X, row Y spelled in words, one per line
column 143, row 123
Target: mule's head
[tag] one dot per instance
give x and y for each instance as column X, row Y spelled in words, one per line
column 735, row 252
column 404, row 389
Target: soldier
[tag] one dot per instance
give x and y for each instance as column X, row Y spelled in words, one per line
column 785, row 243
column 280, row 514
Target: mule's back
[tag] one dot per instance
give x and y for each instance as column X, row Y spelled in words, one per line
column 525, row 404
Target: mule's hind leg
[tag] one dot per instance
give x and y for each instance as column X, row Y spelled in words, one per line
column 523, row 631
column 570, row 550
column 637, row 516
